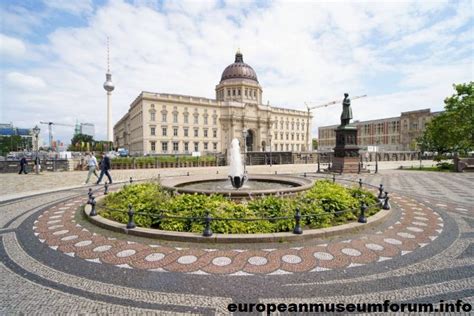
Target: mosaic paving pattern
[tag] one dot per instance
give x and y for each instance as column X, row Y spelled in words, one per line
column 417, row 226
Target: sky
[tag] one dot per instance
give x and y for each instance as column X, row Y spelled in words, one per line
column 404, row 55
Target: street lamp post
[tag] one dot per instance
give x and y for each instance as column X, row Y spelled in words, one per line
column 36, row 131
column 245, row 151
column 270, row 139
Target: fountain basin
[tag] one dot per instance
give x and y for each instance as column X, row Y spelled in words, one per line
column 255, row 186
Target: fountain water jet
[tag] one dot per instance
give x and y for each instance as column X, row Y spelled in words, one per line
column 237, row 175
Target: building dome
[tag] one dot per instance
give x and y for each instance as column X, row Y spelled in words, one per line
column 239, row 70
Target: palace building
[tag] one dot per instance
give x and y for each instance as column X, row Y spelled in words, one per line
column 389, row 134
column 162, row 123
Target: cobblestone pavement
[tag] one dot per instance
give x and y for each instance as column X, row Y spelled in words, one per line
column 52, row 260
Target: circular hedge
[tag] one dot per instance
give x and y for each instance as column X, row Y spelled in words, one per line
column 319, row 207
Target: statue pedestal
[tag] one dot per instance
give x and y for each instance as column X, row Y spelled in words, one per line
column 346, row 152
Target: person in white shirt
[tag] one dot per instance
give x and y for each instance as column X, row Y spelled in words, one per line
column 92, row 166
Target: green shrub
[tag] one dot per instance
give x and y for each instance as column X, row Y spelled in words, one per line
column 321, row 206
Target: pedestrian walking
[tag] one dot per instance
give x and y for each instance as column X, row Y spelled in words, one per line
column 37, row 164
column 23, row 164
column 91, row 166
column 104, row 168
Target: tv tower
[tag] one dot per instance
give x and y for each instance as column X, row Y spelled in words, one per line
column 109, row 87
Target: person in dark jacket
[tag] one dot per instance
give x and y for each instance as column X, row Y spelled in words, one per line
column 23, row 164
column 104, row 168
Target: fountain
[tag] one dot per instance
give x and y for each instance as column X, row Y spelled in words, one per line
column 238, row 185
column 237, row 175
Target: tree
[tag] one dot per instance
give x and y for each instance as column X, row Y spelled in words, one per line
column 79, row 142
column 314, row 143
column 452, row 130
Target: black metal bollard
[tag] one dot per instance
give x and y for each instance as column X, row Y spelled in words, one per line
column 131, row 222
column 319, row 167
column 131, row 180
column 360, row 183
column 207, row 229
column 386, row 204
column 89, row 194
column 298, row 230
column 93, row 210
column 305, row 174
column 362, row 218
column 380, row 197
column 187, row 173
column 333, row 178
column 106, row 188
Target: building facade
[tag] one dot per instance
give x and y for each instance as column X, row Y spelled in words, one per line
column 389, row 134
column 158, row 123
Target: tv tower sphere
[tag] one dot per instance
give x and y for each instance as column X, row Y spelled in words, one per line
column 108, row 84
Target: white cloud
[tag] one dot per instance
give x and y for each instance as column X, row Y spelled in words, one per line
column 21, row 81
column 305, row 51
column 11, row 47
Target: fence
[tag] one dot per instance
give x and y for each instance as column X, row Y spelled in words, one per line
column 383, row 203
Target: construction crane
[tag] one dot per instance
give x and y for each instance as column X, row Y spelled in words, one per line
column 50, row 130
column 307, row 104
column 329, row 103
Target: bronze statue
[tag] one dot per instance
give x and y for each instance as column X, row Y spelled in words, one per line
column 346, row 115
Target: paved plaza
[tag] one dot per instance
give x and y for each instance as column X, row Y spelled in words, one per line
column 55, row 261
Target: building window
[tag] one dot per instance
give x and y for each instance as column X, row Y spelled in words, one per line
column 238, row 90
column 186, row 146
column 297, row 136
column 196, row 132
column 254, row 93
column 287, row 136
column 153, row 146
column 206, row 145
column 196, row 119
column 292, row 125
column 175, row 117
column 228, row 93
column 214, row 120
column 214, row 133
column 281, row 124
column 186, row 132
column 164, row 147
column 205, row 132
column 292, row 136
column 214, row 146
column 287, row 147
column 287, row 125
column 205, row 120
column 233, row 91
column 297, row 147
column 175, row 146
column 186, row 118
column 152, row 116
column 164, row 131
column 175, row 131
column 196, row 146
column 163, row 117
column 281, row 147
column 152, row 131
column 276, row 136
column 246, row 92
column 281, row 136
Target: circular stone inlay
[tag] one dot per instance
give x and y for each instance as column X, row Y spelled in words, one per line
column 291, row 259
column 351, row 252
column 375, row 247
column 221, row 261
column 392, row 241
column 187, row 259
column 55, row 226
column 83, row 243
column 154, row 257
column 126, row 253
column 419, row 224
column 61, row 232
column 257, row 261
column 406, row 235
column 424, row 219
column 102, row 248
column 415, row 229
column 323, row 256
column 69, row 237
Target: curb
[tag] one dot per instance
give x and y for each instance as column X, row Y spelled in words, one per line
column 98, row 220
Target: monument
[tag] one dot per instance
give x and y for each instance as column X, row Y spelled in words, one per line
column 346, row 152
